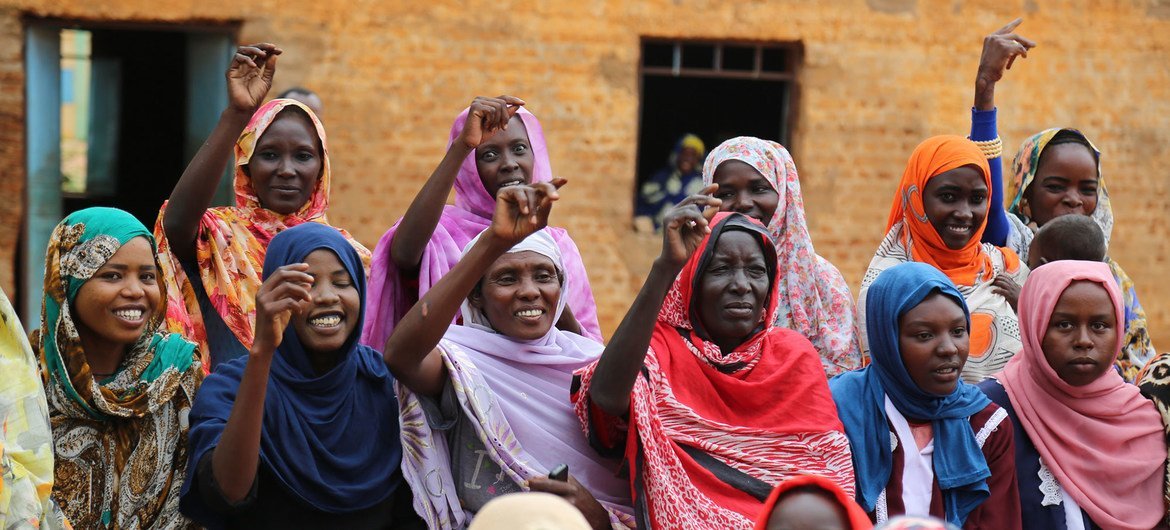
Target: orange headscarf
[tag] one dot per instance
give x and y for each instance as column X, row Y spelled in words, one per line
column 936, row 155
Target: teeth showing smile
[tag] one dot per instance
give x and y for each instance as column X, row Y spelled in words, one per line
column 511, row 183
column 959, row 229
column 530, row 313
column 325, row 321
column 129, row 314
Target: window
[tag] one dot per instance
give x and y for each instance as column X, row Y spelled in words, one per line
column 715, row 90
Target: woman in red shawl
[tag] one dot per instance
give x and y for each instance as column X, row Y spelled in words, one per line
column 711, row 405
column 211, row 258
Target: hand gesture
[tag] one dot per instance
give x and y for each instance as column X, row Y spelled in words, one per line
column 250, row 75
column 487, row 116
column 1000, row 50
column 685, row 226
column 522, row 210
column 282, row 294
column 1007, row 288
column 577, row 495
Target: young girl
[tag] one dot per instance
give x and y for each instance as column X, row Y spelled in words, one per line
column 212, row 257
column 119, row 387
column 924, row 442
column 709, row 403
column 937, row 218
column 1089, row 448
column 494, row 144
column 811, row 502
column 485, row 405
column 758, row 178
column 302, row 432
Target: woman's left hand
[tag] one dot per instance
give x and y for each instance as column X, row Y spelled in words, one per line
column 577, row 495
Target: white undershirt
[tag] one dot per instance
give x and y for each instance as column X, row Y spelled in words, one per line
column 917, row 466
column 1072, row 512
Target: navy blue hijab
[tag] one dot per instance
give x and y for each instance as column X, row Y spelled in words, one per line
column 331, row 440
column 959, row 464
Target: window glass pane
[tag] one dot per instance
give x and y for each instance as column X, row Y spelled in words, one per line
column 75, row 108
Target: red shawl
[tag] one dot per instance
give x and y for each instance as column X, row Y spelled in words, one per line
column 764, row 409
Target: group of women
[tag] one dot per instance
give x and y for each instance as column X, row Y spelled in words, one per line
column 254, row 366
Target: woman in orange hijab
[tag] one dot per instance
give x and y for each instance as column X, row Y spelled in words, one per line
column 937, row 218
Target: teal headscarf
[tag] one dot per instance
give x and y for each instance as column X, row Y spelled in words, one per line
column 79, row 246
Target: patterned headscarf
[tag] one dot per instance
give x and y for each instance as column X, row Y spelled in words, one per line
column 1024, row 168
column 232, row 241
column 814, row 299
column 131, row 425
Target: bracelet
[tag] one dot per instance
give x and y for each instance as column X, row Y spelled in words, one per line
column 991, row 148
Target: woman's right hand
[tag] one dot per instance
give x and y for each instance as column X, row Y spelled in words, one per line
column 250, row 76
column 522, row 210
column 487, row 116
column 685, row 226
column 1000, row 50
column 285, row 292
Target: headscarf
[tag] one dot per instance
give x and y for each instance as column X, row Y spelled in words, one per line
column 763, row 409
column 391, row 292
column 131, row 425
column 959, row 464
column 910, row 236
column 332, row 439
column 1103, row 441
column 529, row 511
column 26, row 441
column 231, row 242
column 1138, row 349
column 516, row 392
column 857, row 518
column 814, row 299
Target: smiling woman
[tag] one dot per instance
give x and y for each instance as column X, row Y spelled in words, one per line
column 118, row 387
column 721, row 403
column 938, row 216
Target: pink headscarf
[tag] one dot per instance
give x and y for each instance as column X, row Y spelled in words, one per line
column 1103, row 441
column 389, row 296
column 815, row 299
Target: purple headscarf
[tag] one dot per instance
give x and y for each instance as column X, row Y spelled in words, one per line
column 390, row 297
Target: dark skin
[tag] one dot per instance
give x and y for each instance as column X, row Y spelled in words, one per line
column 734, row 289
column 744, row 190
column 683, row 229
column 1081, row 339
column 1066, row 183
column 286, row 163
column 1000, row 51
column 249, row 77
column 411, row 352
column 806, row 510
column 934, row 342
column 955, row 202
column 503, row 157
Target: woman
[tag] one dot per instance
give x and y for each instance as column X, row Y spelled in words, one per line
column 680, row 178
column 495, row 143
column 26, row 448
column 485, row 405
column 809, row 501
column 710, row 404
column 119, row 388
column 212, row 257
column 302, row 432
column 1089, row 448
column 924, row 442
column 758, row 178
column 1070, row 182
column 937, row 218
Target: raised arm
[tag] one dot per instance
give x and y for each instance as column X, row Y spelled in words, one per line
column 683, row 229
column 248, row 78
column 411, row 352
column 485, row 117
column 236, row 457
column 1000, row 50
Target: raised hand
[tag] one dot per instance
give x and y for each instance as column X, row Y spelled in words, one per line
column 250, row 75
column 285, row 292
column 487, row 116
column 1000, row 50
column 685, row 226
column 522, row 210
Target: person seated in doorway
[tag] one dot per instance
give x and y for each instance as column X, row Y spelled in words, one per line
column 680, row 178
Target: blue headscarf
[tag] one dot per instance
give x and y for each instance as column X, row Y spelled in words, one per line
column 959, row 464
column 332, row 440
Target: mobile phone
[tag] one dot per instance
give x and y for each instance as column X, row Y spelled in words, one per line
column 560, row 473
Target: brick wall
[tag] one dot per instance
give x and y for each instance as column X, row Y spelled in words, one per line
column 878, row 76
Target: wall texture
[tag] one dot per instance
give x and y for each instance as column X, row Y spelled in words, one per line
column 877, row 77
